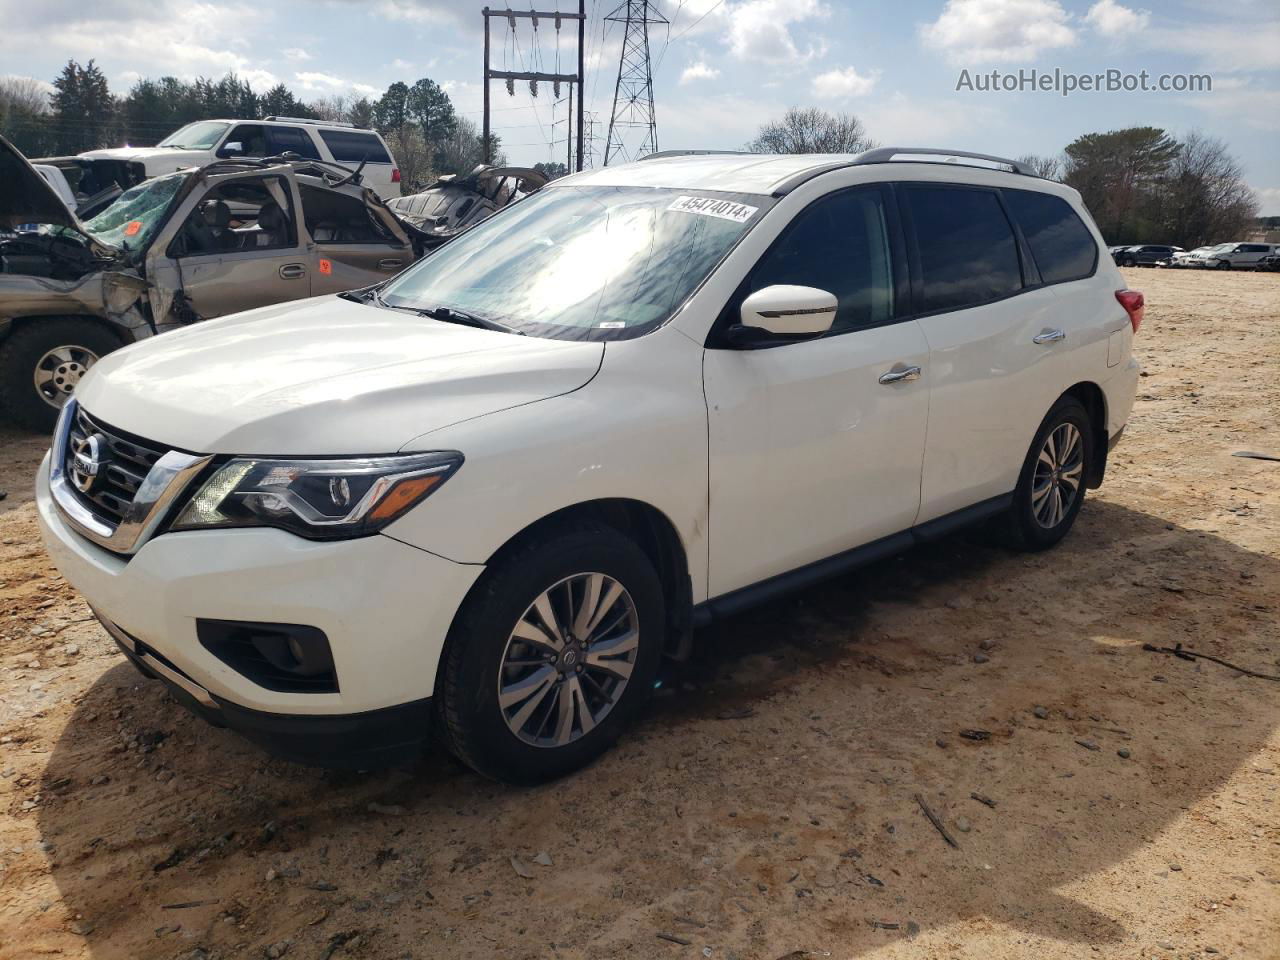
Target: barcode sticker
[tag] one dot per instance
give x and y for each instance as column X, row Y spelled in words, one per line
column 714, row 207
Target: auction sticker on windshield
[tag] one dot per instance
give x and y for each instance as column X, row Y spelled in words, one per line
column 714, row 207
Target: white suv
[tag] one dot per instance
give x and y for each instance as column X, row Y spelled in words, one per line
column 484, row 498
column 205, row 141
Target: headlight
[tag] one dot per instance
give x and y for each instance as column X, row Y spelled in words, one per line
column 317, row 499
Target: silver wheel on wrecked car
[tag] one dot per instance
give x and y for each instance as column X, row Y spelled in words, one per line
column 59, row 370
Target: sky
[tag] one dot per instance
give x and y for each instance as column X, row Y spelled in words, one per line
column 721, row 67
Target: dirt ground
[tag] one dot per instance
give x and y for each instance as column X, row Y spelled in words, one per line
column 766, row 807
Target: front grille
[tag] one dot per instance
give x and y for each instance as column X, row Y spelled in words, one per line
column 126, row 463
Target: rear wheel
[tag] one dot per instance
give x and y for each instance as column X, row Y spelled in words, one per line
column 42, row 362
column 1051, row 488
column 551, row 655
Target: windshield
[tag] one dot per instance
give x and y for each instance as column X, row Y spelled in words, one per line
column 582, row 263
column 137, row 213
column 202, row 135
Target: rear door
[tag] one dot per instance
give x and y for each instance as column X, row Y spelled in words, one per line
column 816, row 446
column 998, row 341
column 350, row 246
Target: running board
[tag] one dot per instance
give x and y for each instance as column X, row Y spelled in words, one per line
column 744, row 598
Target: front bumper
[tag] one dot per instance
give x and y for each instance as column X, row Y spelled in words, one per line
column 385, row 607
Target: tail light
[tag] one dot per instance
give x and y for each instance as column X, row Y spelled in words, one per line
column 395, row 174
column 1134, row 305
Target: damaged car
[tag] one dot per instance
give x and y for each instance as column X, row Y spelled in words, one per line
column 171, row 251
column 453, row 204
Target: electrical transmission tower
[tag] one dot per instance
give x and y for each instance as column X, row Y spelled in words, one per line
column 633, row 93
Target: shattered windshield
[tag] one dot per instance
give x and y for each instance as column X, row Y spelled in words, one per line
column 203, row 135
column 582, row 263
column 137, row 213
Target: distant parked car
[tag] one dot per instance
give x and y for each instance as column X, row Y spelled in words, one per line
column 204, row 141
column 1238, row 256
column 1187, row 258
column 1143, row 255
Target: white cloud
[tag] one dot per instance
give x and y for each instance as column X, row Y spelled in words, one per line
column 1113, row 20
column 981, row 31
column 759, row 31
column 296, row 54
column 316, row 82
column 698, row 71
column 838, row 84
column 1225, row 46
column 1268, row 201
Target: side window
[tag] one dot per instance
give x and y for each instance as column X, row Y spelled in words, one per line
column 839, row 244
column 293, row 139
column 968, row 254
column 252, row 138
column 244, row 215
column 334, row 217
column 1061, row 244
column 350, row 147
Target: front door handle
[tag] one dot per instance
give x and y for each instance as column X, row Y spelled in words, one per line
column 390, row 264
column 293, row 271
column 901, row 376
column 1049, row 336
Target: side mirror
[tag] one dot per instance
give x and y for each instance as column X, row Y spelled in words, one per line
column 785, row 311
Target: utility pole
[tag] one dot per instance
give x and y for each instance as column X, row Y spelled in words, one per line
column 571, row 78
column 633, row 92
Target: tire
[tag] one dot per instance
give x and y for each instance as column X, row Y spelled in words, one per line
column 29, row 350
column 1128, row 262
column 1224, row 264
column 1032, row 524
column 516, row 739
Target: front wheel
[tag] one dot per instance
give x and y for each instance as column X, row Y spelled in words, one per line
column 1050, row 488
column 42, row 361
column 551, row 655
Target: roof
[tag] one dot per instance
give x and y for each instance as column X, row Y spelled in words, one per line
column 776, row 174
column 736, row 172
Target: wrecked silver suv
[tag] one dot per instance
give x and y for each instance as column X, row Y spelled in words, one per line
column 171, row 251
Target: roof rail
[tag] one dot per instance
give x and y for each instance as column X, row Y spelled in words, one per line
column 663, row 154
column 889, row 154
column 319, row 123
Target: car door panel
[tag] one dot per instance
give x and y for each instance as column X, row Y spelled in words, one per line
column 810, row 454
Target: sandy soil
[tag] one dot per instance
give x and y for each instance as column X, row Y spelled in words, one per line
column 767, row 805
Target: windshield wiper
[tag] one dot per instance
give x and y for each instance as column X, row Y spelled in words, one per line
column 451, row 315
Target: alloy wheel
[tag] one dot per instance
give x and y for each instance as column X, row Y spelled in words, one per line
column 1059, row 470
column 568, row 660
column 59, row 370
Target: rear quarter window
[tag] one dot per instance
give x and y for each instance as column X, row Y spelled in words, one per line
column 350, row 147
column 1061, row 244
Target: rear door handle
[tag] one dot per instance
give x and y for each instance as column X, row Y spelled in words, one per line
column 1049, row 336
column 293, row 271
column 390, row 264
column 901, row 376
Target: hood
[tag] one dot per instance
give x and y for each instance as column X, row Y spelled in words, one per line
column 325, row 376
column 157, row 160
column 27, row 197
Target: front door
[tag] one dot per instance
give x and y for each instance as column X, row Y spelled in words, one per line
column 816, row 446
column 238, row 247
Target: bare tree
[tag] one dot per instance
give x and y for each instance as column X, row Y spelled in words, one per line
column 1205, row 197
column 413, row 155
column 810, row 130
column 335, row 107
column 24, row 95
column 1048, row 167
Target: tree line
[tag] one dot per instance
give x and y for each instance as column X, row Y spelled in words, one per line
column 1142, row 184
column 425, row 133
